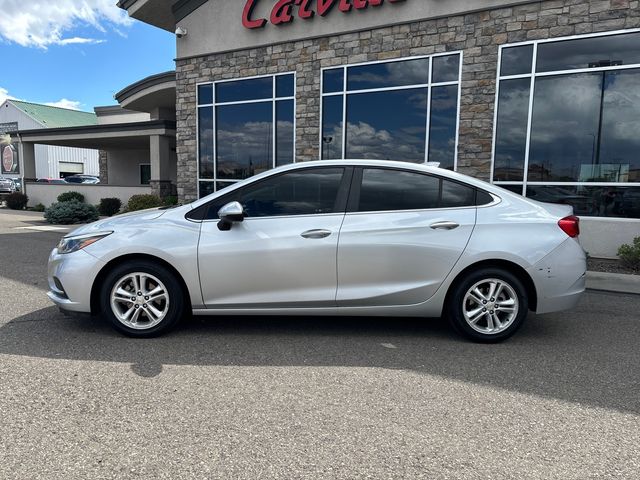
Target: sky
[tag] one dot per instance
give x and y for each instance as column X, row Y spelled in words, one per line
column 76, row 53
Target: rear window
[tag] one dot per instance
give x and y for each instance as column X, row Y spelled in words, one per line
column 391, row 190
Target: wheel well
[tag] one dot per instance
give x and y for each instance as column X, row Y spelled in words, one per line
column 511, row 267
column 95, row 289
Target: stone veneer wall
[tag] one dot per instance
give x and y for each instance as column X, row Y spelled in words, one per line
column 478, row 35
column 103, row 166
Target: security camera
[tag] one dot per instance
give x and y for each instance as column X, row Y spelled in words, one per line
column 181, row 32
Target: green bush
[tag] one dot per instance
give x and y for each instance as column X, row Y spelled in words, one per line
column 109, row 206
column 630, row 254
column 16, row 201
column 142, row 202
column 170, row 201
column 68, row 196
column 38, row 208
column 67, row 213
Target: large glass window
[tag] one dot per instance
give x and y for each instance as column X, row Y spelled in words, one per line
column 245, row 127
column 567, row 123
column 397, row 110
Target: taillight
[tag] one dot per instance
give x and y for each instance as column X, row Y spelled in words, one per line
column 570, row 225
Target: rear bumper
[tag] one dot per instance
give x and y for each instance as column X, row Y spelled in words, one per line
column 560, row 277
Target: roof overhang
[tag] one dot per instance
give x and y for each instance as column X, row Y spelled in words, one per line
column 101, row 137
column 160, row 13
column 149, row 94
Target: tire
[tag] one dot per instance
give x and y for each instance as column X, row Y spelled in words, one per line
column 154, row 300
column 481, row 317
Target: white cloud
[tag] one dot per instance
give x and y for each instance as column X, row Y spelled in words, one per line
column 4, row 94
column 40, row 23
column 64, row 103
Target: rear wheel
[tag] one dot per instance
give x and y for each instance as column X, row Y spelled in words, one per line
column 488, row 305
column 141, row 299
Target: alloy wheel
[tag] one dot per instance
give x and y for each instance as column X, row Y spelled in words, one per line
column 490, row 306
column 139, row 300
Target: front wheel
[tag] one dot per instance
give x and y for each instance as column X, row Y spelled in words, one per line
column 141, row 299
column 488, row 305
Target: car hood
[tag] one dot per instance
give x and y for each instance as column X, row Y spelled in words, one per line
column 119, row 221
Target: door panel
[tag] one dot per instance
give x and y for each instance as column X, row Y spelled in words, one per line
column 397, row 258
column 267, row 262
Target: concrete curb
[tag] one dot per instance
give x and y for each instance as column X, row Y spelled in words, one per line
column 613, row 282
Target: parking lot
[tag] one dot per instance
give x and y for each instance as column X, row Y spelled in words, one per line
column 309, row 397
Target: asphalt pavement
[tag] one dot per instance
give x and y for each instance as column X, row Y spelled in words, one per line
column 309, row 398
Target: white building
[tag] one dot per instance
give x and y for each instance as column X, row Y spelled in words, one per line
column 51, row 161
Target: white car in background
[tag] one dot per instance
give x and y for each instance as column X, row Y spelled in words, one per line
column 7, row 186
column 369, row 238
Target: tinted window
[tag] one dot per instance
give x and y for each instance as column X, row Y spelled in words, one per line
column 333, row 80
column 332, row 127
column 205, row 141
column 385, row 190
column 442, row 132
column 205, row 94
column 457, row 195
column 390, row 74
column 239, row 90
column 564, row 133
column 511, row 131
column 306, row 192
column 446, row 69
column 483, row 198
column 244, row 138
column 285, row 86
column 589, row 53
column 387, row 125
column 284, row 132
column 516, row 60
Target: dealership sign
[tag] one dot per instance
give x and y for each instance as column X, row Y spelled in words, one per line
column 284, row 10
column 10, row 163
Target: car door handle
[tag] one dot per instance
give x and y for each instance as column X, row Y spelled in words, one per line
column 316, row 234
column 444, row 225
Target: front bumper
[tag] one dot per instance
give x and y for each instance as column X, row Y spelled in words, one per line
column 71, row 278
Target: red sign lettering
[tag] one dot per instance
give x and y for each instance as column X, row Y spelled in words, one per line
column 283, row 10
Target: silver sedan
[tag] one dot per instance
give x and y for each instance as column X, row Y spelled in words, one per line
column 370, row 238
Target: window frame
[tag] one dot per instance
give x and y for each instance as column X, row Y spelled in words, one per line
column 201, row 213
column 273, row 99
column 353, row 202
column 345, row 92
column 532, row 76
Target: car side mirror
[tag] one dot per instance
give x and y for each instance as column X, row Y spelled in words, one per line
column 230, row 213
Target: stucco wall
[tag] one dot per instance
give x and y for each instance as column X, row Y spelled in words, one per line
column 47, row 194
column 123, row 166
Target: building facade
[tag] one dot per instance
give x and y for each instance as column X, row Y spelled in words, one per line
column 542, row 98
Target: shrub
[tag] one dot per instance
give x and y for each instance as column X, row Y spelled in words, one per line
column 38, row 208
column 67, row 213
column 16, row 201
column 142, row 202
column 109, row 206
column 630, row 254
column 68, row 196
column 170, row 201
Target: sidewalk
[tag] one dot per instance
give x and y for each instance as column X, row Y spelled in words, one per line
column 613, row 282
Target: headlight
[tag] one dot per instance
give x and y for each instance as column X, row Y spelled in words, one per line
column 78, row 242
